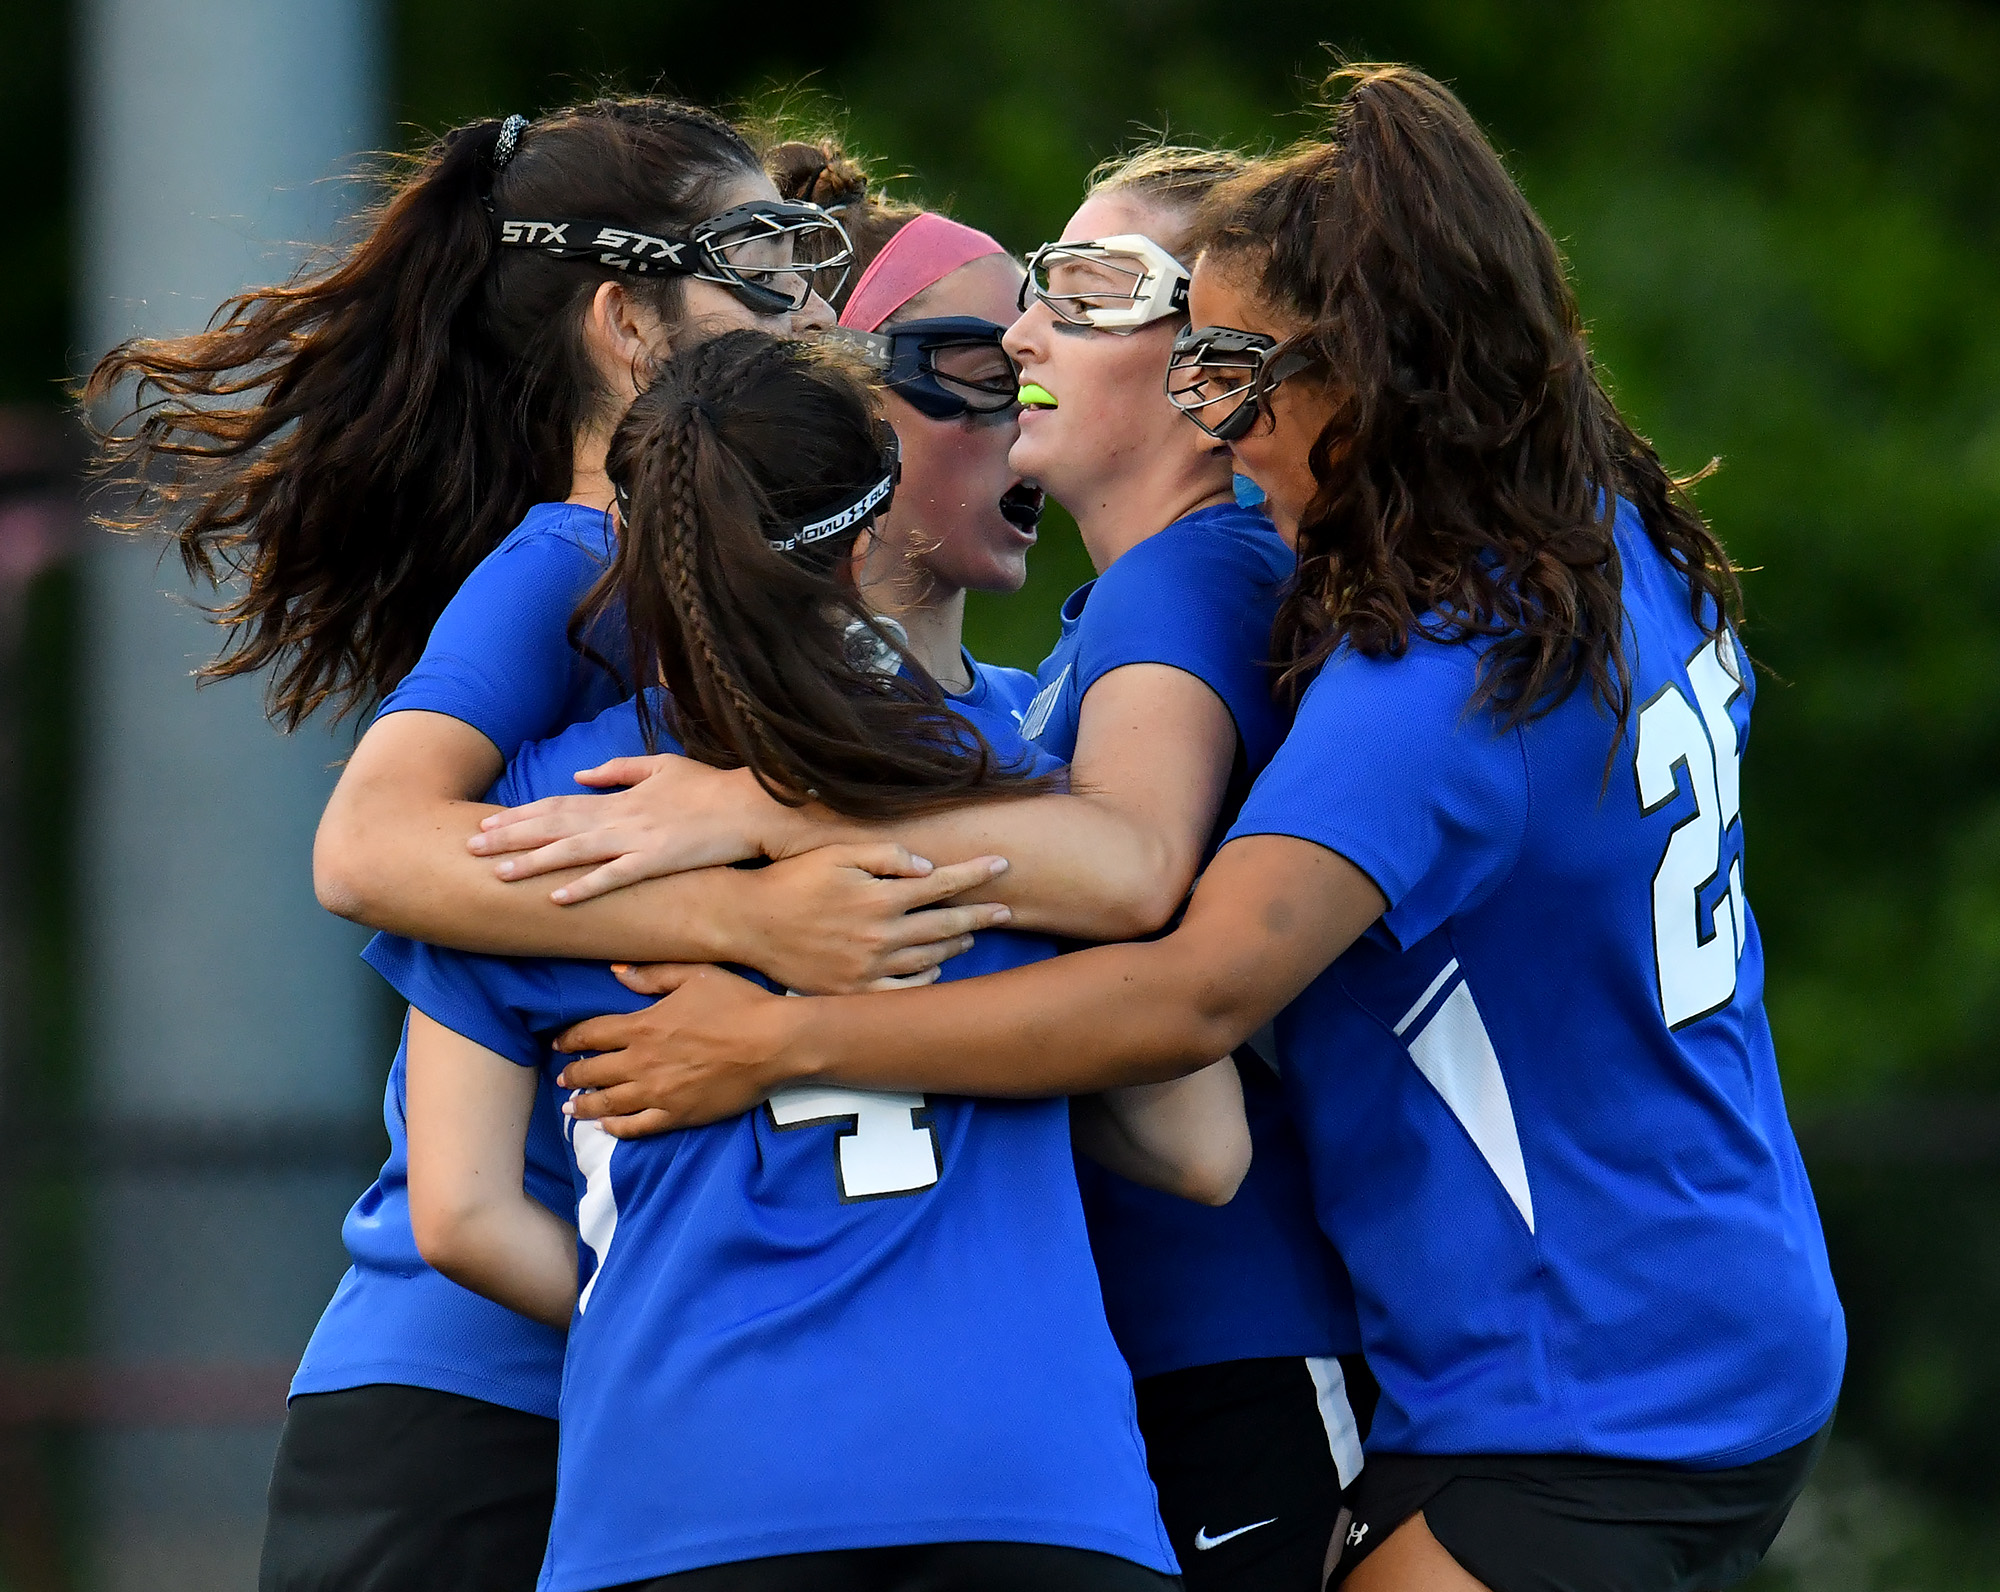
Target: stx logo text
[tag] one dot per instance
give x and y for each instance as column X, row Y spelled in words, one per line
column 534, row 232
column 638, row 245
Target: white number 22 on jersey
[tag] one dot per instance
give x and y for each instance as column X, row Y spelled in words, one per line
column 1697, row 972
column 883, row 1152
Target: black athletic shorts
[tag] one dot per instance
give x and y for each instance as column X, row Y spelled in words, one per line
column 1249, row 1457
column 388, row 1488
column 1569, row 1523
column 924, row 1567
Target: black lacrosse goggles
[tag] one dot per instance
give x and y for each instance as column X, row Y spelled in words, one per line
column 771, row 254
column 1219, row 377
column 944, row 367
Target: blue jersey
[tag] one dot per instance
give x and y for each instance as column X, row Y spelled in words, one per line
column 1539, row 1096
column 499, row 659
column 1188, row 1284
column 500, row 656
column 842, row 1320
column 996, row 688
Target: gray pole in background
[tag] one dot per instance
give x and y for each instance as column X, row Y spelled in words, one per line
column 231, row 1033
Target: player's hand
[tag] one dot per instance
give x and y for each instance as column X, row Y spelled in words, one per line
column 713, row 1048
column 660, row 815
column 842, row 919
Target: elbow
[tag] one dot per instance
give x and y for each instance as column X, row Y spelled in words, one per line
column 1214, row 1177
column 341, row 876
column 445, row 1234
column 1144, row 902
column 1134, row 914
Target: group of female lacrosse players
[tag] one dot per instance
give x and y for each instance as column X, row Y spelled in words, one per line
column 1340, row 1142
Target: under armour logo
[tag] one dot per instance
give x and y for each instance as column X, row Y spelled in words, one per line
column 1356, row 1533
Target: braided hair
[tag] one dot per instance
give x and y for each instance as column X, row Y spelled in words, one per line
column 738, row 441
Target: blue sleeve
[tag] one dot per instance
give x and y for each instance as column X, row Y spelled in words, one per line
column 549, row 767
column 1200, row 604
column 499, row 657
column 496, row 1001
column 1385, row 766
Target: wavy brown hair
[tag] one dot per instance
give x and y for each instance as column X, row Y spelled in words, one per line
column 1468, row 474
column 347, row 446
column 769, row 658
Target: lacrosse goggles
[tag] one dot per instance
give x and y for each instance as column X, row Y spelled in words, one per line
column 1113, row 284
column 772, row 255
column 944, row 367
column 1219, row 377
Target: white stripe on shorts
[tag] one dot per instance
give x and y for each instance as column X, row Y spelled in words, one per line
column 1336, row 1414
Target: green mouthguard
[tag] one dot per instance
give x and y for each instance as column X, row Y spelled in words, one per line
column 1037, row 397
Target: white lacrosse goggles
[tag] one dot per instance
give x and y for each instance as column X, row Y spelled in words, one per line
column 1113, row 284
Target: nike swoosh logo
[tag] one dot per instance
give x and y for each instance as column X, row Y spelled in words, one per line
column 1203, row 1541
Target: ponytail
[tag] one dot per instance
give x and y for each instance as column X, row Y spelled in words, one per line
column 1468, row 473
column 351, row 444
column 769, row 658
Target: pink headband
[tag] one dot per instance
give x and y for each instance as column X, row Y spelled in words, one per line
column 923, row 253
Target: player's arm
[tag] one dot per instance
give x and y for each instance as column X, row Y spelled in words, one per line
column 473, row 1219
column 1110, row 860
column 1269, row 914
column 1187, row 1136
column 391, row 854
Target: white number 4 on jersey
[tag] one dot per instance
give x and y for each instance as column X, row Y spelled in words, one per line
column 883, row 1151
column 1697, row 973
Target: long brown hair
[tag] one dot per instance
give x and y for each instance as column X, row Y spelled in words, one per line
column 1468, row 475
column 770, row 660
column 352, row 443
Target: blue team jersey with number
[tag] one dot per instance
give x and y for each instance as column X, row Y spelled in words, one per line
column 845, row 1319
column 1187, row 1284
column 1540, row 1096
column 499, row 659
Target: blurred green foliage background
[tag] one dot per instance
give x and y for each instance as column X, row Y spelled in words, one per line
column 1784, row 222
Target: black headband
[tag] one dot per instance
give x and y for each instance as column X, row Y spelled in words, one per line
column 870, row 503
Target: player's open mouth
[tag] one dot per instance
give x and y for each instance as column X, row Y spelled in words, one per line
column 1021, row 506
column 1034, row 396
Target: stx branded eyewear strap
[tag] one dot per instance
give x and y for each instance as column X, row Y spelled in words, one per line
column 621, row 248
